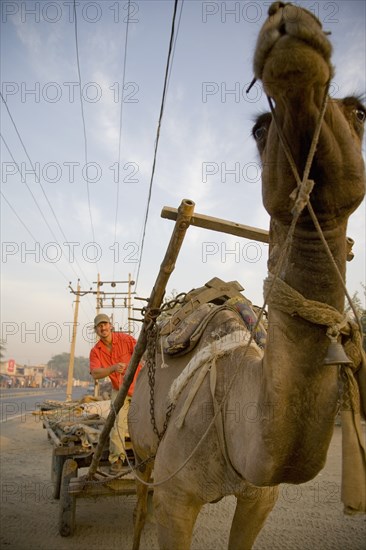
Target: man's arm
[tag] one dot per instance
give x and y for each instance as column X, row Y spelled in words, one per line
column 103, row 372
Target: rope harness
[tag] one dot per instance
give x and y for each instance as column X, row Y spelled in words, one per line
column 288, row 300
column 281, row 296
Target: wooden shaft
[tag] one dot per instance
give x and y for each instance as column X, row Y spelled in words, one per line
column 218, row 224
column 167, row 266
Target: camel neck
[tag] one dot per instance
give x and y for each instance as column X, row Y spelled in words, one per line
column 308, row 268
column 301, row 390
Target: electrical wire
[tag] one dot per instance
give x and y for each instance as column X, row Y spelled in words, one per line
column 33, row 168
column 28, row 231
column 33, row 196
column 120, row 128
column 18, row 217
column 40, row 210
column 40, row 184
column 175, row 43
column 28, row 187
column 157, row 139
column 83, row 121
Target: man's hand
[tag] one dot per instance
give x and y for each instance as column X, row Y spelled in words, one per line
column 102, row 372
column 120, row 368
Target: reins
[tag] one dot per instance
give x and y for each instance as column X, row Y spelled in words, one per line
column 304, row 189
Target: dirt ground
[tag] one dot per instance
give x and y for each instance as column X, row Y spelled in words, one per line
column 305, row 517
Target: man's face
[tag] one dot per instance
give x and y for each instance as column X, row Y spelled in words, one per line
column 104, row 330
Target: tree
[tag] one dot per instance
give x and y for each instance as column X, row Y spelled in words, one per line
column 2, row 349
column 60, row 363
column 361, row 312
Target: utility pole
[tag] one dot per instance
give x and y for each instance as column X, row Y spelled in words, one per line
column 129, row 304
column 104, row 300
column 115, row 299
column 98, row 294
column 70, row 376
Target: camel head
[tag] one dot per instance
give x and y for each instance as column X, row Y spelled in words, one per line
column 291, row 49
column 293, row 61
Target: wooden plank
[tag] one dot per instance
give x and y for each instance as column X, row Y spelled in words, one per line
column 66, row 523
column 218, row 224
column 82, row 488
column 73, row 451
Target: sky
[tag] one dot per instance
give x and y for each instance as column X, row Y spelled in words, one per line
column 66, row 213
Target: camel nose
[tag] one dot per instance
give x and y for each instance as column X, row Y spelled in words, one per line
column 275, row 7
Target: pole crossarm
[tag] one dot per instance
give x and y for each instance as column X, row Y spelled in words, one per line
column 223, row 226
column 184, row 216
column 113, row 283
column 80, row 292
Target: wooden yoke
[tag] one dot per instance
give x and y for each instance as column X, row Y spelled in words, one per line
column 224, row 226
column 233, row 228
column 183, row 219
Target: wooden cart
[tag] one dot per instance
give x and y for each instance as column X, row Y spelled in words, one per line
column 61, row 452
column 74, row 487
column 68, row 457
column 96, row 483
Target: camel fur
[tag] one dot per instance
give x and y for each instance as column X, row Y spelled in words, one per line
column 279, row 405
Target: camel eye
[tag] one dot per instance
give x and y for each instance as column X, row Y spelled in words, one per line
column 360, row 115
column 260, row 132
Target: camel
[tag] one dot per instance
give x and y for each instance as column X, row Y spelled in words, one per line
column 258, row 418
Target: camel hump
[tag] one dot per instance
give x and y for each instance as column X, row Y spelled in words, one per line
column 214, row 291
column 182, row 331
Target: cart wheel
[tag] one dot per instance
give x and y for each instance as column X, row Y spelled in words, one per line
column 56, row 473
column 67, row 501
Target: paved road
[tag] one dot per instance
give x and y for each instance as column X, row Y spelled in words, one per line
column 306, row 517
column 17, row 402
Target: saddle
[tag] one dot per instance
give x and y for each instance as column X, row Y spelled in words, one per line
column 182, row 331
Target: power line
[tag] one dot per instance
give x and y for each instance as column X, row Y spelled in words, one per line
column 39, row 208
column 28, row 230
column 25, row 181
column 175, row 43
column 40, row 184
column 157, row 137
column 34, row 198
column 83, row 119
column 120, row 127
column 18, row 217
column 33, row 168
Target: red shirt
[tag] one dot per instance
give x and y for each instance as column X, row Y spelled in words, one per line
column 121, row 352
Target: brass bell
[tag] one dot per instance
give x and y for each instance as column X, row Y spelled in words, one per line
column 336, row 354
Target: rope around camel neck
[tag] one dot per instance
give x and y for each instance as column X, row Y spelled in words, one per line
column 289, row 300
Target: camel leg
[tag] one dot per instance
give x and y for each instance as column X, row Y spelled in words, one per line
column 139, row 515
column 175, row 513
column 251, row 512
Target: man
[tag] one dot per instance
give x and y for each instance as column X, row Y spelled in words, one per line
column 110, row 357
